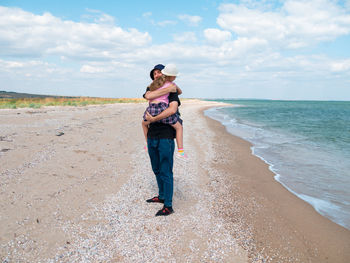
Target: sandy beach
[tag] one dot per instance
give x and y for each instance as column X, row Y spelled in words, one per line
column 74, row 180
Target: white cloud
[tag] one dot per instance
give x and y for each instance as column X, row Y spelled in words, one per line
column 191, row 20
column 296, row 24
column 104, row 18
column 34, row 68
column 217, row 36
column 340, row 66
column 13, row 64
column 91, row 69
column 147, row 14
column 347, row 5
column 25, row 34
column 185, row 37
column 166, row 23
column 97, row 16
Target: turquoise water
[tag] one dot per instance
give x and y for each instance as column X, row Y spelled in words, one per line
column 306, row 144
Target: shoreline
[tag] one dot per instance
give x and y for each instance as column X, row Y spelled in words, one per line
column 308, row 235
column 279, row 170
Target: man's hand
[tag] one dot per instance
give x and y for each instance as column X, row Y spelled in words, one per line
column 149, row 117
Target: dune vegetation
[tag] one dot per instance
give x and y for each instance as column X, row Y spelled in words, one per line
column 6, row 103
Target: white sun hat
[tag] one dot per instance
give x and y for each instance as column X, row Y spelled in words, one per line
column 170, row 70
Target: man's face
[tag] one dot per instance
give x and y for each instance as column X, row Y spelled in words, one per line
column 157, row 73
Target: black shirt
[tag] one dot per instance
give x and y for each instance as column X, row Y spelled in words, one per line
column 158, row 130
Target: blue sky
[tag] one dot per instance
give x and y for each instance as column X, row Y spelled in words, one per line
column 223, row 49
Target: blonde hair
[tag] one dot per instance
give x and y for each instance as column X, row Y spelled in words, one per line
column 158, row 82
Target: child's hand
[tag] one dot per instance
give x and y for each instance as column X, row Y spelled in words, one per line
column 172, row 87
column 179, row 91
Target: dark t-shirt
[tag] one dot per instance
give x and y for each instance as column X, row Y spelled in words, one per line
column 158, row 130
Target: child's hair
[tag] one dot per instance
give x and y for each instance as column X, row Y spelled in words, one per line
column 158, row 82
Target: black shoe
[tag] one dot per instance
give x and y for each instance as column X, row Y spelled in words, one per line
column 155, row 200
column 165, row 211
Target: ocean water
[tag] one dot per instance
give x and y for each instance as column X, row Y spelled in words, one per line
column 305, row 143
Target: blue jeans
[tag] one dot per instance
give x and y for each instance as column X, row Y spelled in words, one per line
column 161, row 153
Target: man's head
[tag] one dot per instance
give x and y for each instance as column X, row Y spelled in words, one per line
column 156, row 71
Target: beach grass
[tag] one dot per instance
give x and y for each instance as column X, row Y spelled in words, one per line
column 62, row 101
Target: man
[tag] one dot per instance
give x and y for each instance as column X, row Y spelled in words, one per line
column 160, row 142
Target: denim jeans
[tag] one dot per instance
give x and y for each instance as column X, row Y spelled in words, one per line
column 161, row 153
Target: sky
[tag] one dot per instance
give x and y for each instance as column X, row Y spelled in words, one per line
column 289, row 50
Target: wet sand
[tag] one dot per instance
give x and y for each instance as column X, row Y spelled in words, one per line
column 73, row 184
column 283, row 227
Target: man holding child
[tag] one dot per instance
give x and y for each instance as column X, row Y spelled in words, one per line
column 160, row 143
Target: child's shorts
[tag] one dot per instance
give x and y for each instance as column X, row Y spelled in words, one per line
column 155, row 109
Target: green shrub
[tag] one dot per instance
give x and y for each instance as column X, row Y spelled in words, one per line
column 35, row 105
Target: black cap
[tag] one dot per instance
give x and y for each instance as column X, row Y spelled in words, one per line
column 159, row 67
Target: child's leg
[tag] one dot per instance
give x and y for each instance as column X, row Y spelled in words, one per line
column 145, row 130
column 179, row 139
column 179, row 135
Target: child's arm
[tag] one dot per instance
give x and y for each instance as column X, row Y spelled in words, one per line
column 179, row 91
column 151, row 95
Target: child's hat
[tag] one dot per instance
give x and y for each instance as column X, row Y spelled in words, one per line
column 170, row 70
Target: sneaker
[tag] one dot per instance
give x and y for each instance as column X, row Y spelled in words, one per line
column 165, row 211
column 155, row 200
column 181, row 155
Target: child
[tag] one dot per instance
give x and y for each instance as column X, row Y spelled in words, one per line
column 161, row 103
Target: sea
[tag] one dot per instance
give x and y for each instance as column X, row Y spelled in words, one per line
column 305, row 143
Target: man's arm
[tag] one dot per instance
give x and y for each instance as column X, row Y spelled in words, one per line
column 172, row 109
column 151, row 95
